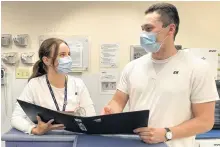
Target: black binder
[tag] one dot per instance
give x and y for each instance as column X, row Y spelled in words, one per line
column 120, row 123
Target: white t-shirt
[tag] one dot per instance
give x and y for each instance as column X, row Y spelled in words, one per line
column 168, row 94
column 159, row 64
column 37, row 92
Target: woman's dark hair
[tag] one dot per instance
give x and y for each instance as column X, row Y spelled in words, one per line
column 45, row 50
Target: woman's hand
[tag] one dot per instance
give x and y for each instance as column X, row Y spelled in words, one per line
column 43, row 127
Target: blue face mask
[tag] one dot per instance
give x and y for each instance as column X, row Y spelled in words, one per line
column 65, row 65
column 148, row 41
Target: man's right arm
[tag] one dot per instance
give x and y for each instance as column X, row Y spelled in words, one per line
column 120, row 98
column 117, row 104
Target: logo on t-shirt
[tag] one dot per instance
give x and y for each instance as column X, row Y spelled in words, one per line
column 203, row 58
column 212, row 50
column 175, row 72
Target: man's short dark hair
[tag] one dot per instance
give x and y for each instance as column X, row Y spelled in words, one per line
column 168, row 14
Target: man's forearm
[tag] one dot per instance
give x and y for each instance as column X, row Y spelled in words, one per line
column 116, row 108
column 191, row 127
column 118, row 102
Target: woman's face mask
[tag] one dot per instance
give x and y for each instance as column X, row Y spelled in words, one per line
column 64, row 65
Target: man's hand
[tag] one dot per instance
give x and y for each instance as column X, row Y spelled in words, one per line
column 151, row 135
column 42, row 127
column 117, row 104
column 107, row 110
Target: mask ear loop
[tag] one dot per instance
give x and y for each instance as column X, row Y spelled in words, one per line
column 161, row 30
column 164, row 38
column 163, row 42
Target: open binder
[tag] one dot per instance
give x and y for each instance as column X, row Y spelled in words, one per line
column 120, row 123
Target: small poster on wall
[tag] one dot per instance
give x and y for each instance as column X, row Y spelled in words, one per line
column 79, row 50
column 108, row 82
column 76, row 50
column 109, row 56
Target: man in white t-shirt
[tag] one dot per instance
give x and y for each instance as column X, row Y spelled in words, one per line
column 177, row 88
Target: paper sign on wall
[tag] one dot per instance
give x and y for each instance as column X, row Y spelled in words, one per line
column 76, row 48
column 109, row 55
column 108, row 82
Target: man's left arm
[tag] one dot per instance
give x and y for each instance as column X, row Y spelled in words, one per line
column 202, row 121
column 203, row 96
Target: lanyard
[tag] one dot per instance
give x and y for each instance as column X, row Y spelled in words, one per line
column 52, row 94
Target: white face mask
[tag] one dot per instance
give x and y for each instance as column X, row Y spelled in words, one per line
column 64, row 65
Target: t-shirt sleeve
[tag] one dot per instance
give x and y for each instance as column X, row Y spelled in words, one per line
column 123, row 84
column 203, row 84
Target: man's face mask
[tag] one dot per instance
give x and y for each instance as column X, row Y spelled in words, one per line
column 64, row 65
column 148, row 41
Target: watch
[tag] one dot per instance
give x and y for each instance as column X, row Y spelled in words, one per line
column 169, row 134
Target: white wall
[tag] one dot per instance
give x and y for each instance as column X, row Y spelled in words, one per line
column 102, row 22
